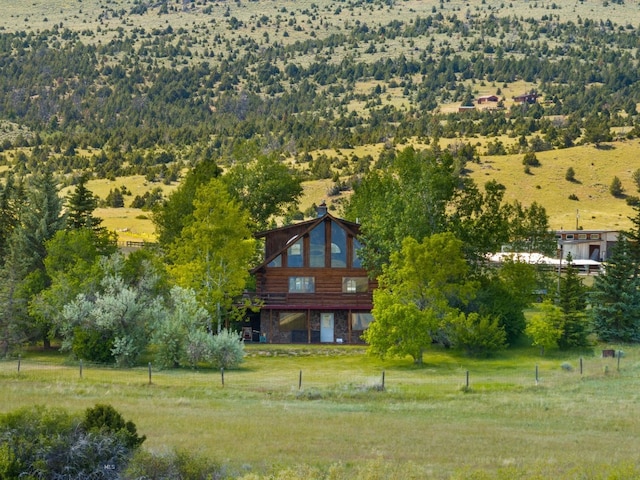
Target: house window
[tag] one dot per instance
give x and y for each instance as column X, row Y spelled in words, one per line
column 302, row 285
column 316, row 245
column 295, row 257
column 356, row 251
column 289, row 321
column 355, row 284
column 276, row 262
column 582, row 236
column 361, row 321
column 338, row 246
column 594, row 236
column 569, row 236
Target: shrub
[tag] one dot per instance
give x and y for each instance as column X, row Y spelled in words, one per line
column 176, row 464
column 478, row 335
column 227, row 350
column 37, row 442
column 531, row 160
column 573, row 196
column 106, row 419
column 570, row 175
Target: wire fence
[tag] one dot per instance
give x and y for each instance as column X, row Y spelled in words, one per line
column 291, row 378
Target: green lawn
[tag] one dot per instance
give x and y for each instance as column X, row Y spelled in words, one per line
column 425, row 418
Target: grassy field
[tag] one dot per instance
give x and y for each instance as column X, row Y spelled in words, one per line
column 424, row 422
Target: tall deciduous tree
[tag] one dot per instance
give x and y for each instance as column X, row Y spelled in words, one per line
column 418, row 296
column 176, row 212
column 545, row 328
column 265, row 188
column 213, row 251
column 408, row 199
column 72, row 264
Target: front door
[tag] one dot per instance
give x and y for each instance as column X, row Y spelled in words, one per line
column 326, row 327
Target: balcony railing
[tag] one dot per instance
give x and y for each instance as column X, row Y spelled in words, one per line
column 313, row 300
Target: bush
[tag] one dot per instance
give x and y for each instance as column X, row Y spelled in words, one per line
column 570, row 175
column 37, row 442
column 531, row 160
column 106, row 419
column 478, row 335
column 227, row 350
column 176, row 464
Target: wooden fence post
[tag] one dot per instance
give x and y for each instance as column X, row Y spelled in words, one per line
column 222, row 375
column 149, row 373
column 80, row 368
column 300, row 380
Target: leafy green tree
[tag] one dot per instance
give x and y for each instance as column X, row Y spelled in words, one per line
column 177, row 210
column 615, row 297
column 572, row 300
column 266, row 188
column 72, row 264
column 408, row 199
column 418, row 296
column 504, row 293
column 546, row 328
column 212, row 253
column 119, row 314
column 570, row 175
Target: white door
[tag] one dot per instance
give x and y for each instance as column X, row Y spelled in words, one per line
column 326, row 327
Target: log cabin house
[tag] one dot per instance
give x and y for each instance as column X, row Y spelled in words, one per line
column 311, row 285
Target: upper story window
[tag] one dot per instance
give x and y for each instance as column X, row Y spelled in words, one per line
column 355, row 284
column 316, row 246
column 295, row 255
column 302, row 285
column 338, row 246
column 356, row 262
column 276, row 262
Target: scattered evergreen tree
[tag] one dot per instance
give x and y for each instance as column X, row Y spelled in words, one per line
column 81, row 204
column 616, row 297
column 616, row 188
column 572, row 300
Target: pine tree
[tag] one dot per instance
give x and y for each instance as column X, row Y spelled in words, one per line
column 41, row 218
column 572, row 301
column 81, row 205
column 616, row 297
column 11, row 199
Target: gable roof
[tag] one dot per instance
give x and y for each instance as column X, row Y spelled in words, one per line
column 299, row 230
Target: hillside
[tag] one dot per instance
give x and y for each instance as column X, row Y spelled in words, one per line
column 146, row 90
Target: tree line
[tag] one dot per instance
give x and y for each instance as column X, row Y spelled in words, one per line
column 427, row 232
